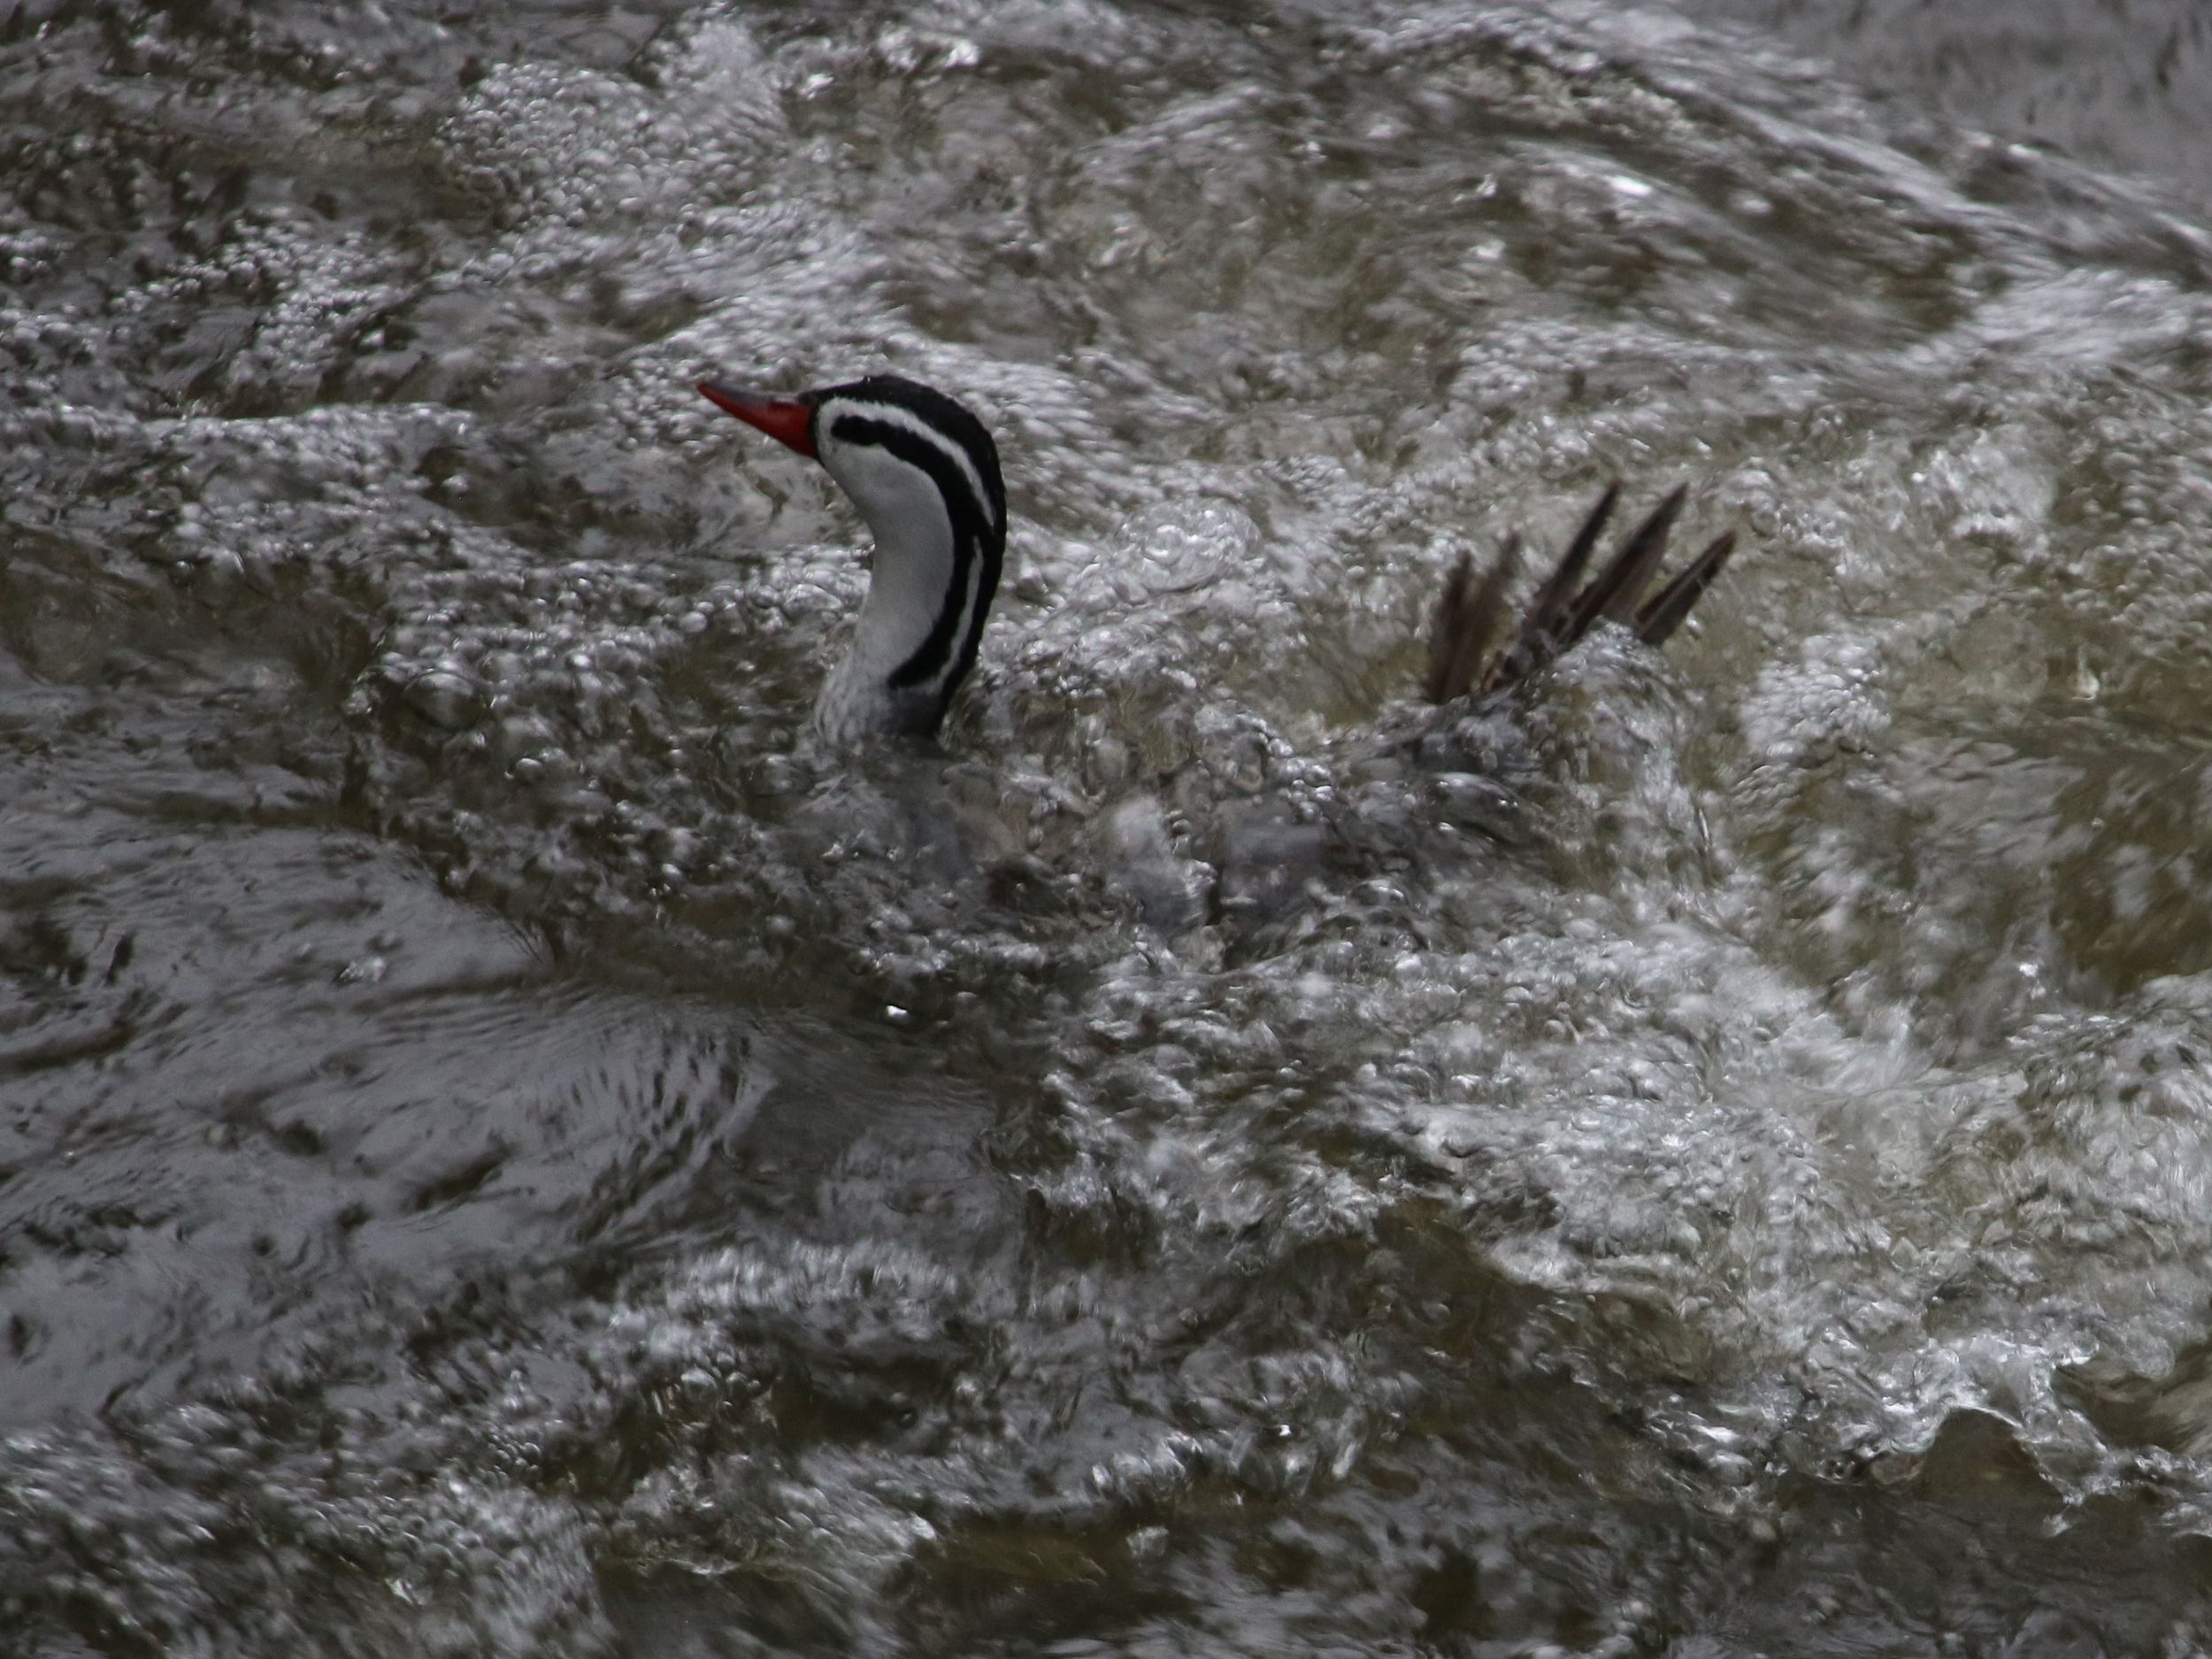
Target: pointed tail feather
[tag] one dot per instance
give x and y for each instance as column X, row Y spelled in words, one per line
column 1465, row 618
column 1549, row 613
column 1663, row 612
column 1612, row 596
column 1559, row 615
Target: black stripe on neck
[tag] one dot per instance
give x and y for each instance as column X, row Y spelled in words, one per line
column 949, row 650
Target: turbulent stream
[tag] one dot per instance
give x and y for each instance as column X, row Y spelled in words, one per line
column 508, row 1148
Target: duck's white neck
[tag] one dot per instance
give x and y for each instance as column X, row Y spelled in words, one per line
column 939, row 535
column 911, row 586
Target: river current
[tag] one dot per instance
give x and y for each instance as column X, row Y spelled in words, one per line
column 508, row 1148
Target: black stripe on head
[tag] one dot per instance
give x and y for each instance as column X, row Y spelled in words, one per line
column 953, row 422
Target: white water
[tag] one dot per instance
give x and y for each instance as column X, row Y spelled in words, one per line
column 562, row 1166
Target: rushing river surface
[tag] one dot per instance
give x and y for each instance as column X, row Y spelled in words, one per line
column 507, row 1149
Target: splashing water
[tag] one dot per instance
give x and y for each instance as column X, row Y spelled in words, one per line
column 508, row 1150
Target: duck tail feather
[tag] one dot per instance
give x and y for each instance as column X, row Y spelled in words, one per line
column 1543, row 634
column 1612, row 596
column 1466, row 618
column 1664, row 611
